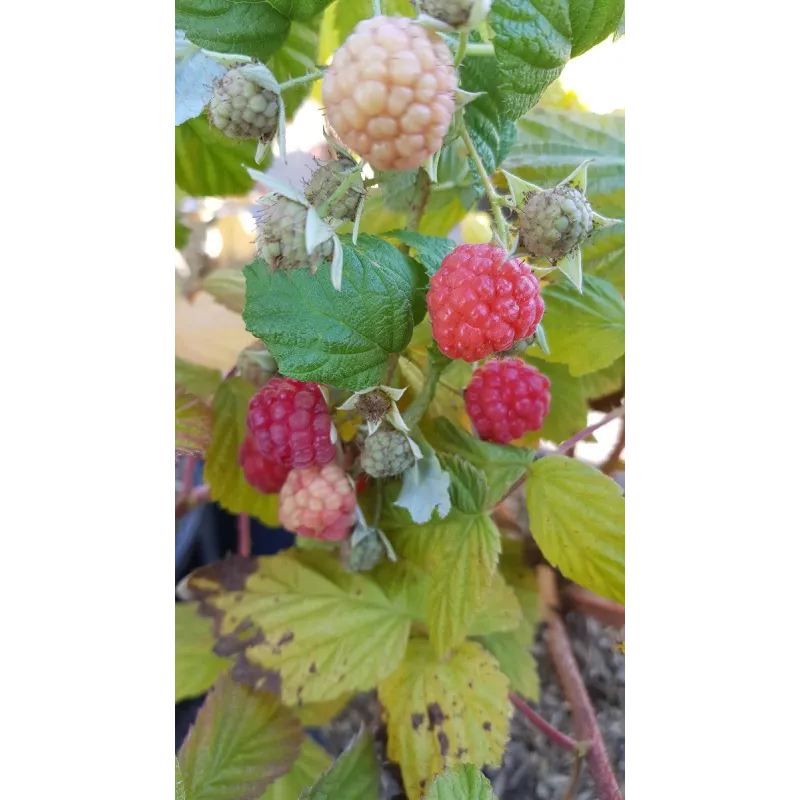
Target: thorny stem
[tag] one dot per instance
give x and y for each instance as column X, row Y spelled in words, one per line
column 243, row 528
column 310, row 78
column 583, row 716
column 555, row 735
column 477, row 49
column 349, row 179
column 491, row 194
column 565, row 447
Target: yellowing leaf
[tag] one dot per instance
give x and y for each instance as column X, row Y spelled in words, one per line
column 577, row 517
column 192, row 423
column 511, row 649
column 500, row 610
column 222, row 471
column 196, row 664
column 463, row 782
column 311, row 763
column 355, row 775
column 522, row 579
column 314, row 714
column 443, row 712
column 300, row 626
column 241, row 741
column 460, row 554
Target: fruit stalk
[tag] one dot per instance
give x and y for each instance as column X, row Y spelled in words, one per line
column 565, row 447
column 491, row 194
column 310, row 78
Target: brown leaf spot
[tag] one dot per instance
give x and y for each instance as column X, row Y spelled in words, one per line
column 435, row 715
column 417, row 720
column 246, row 672
column 244, row 635
column 286, row 638
column 444, row 743
column 487, row 726
column 313, row 667
column 461, row 752
column 230, row 575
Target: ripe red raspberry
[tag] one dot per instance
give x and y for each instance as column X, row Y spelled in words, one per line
column 290, row 422
column 318, row 502
column 480, row 303
column 505, row 398
column 263, row 473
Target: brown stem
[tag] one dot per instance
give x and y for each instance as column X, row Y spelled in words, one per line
column 565, row 447
column 576, row 598
column 610, row 464
column 584, row 720
column 555, row 735
column 198, row 495
column 243, row 527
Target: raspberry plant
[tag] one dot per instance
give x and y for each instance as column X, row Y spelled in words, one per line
column 401, row 392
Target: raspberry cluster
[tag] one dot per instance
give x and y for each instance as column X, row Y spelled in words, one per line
column 326, row 180
column 505, row 398
column 481, row 302
column 290, row 422
column 389, row 92
column 242, row 109
column 261, row 472
column 386, row 453
column 318, row 502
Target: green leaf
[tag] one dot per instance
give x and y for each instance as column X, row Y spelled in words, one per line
column 490, row 126
column 222, row 471
column 196, row 379
column 522, row 579
column 227, row 287
column 193, row 423
column 568, row 409
column 604, row 255
column 355, row 775
column 532, row 45
column 468, row 486
column 551, row 143
column 500, row 610
column 252, row 29
column 312, row 761
column 180, row 789
column 592, row 22
column 460, row 554
column 297, row 624
column 197, row 667
column 350, row 12
column 297, row 57
column 241, row 741
column 430, row 250
column 510, row 648
column 577, row 517
column 344, row 338
column 441, row 711
column 605, row 381
column 502, row 464
column 462, row 782
column 209, row 163
column 584, row 331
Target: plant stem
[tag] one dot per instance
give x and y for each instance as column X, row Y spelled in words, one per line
column 555, row 735
column 421, row 402
column 310, row 78
column 491, row 194
column 198, row 495
column 422, row 190
column 602, row 609
column 463, row 42
column 376, row 8
column 243, row 527
column 565, row 447
column 610, row 464
column 478, row 49
column 349, row 179
column 583, row 716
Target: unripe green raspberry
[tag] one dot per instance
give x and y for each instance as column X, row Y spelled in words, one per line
column 554, row 222
column 242, row 109
column 326, row 180
column 386, row 453
column 282, row 238
column 453, row 12
column 365, row 555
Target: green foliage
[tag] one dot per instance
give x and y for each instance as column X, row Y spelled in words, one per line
column 197, row 667
column 209, row 163
column 196, row 379
column 605, row 381
column 355, row 775
column 311, row 762
column 462, row 782
column 180, row 789
column 428, row 250
column 584, row 331
column 297, row 57
column 568, row 408
column 193, row 423
column 250, row 29
column 511, row 649
column 577, row 517
column 222, row 471
column 241, row 741
column 349, row 12
column 345, row 338
column 468, row 486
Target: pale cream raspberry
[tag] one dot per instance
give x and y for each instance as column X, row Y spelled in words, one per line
column 389, row 92
column 318, row 502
